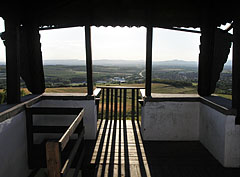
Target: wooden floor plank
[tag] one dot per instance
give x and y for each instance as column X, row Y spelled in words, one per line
column 120, row 151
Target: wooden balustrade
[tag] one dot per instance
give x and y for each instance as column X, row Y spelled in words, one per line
column 119, row 103
column 60, row 154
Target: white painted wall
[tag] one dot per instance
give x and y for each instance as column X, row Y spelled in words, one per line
column 187, row 121
column 220, row 135
column 13, row 138
column 90, row 115
column 232, row 143
column 13, row 147
column 212, row 131
column 170, row 121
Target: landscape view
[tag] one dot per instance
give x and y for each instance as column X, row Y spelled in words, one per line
column 174, row 76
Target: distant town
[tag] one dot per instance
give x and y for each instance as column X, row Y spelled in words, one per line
column 175, row 73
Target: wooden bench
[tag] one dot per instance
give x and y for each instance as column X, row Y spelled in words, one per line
column 58, row 155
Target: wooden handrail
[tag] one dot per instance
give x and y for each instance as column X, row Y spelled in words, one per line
column 65, row 138
column 54, row 148
column 70, row 159
column 120, row 87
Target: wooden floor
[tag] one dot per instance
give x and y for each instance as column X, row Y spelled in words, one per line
column 120, row 151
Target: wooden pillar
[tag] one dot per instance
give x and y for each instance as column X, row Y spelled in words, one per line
column 12, row 60
column 89, row 59
column 148, row 81
column 206, row 58
column 236, row 69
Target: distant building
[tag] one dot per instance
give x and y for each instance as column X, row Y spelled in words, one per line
column 101, row 82
column 119, row 79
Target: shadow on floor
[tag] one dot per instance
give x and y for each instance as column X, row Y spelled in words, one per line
column 120, row 151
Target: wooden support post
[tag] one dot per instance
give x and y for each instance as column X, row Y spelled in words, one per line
column 12, row 61
column 236, row 69
column 53, row 159
column 148, row 81
column 89, row 59
column 206, row 58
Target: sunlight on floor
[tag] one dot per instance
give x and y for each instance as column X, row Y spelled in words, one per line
column 113, row 156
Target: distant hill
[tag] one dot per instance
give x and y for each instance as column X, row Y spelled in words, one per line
column 103, row 62
column 176, row 62
column 64, row 62
column 121, row 62
column 106, row 62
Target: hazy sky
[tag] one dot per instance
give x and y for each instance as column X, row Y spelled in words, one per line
column 116, row 43
column 119, row 43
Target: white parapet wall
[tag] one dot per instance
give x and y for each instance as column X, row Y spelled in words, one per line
column 192, row 118
column 13, row 138
column 220, row 135
column 170, row 121
column 13, row 147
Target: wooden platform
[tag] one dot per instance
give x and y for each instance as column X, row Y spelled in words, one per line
column 120, row 151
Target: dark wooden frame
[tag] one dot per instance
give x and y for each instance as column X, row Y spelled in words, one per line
column 236, row 69
column 12, row 43
column 54, row 148
column 89, row 59
column 148, row 80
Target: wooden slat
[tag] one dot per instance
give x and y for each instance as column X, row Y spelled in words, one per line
column 111, row 104
column 107, row 103
column 137, row 103
column 49, row 129
column 115, row 104
column 79, row 163
column 103, row 98
column 120, row 87
column 124, row 103
column 133, row 103
column 65, row 138
column 148, row 81
column 71, row 157
column 29, row 123
column 120, row 104
column 54, row 110
column 97, row 100
column 53, row 159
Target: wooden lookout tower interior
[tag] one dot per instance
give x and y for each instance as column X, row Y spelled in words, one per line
column 91, row 134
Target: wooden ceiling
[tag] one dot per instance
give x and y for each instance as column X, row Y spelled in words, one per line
column 172, row 13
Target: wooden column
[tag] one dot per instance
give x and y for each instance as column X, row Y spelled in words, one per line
column 148, row 81
column 12, row 60
column 236, row 69
column 206, row 58
column 89, row 59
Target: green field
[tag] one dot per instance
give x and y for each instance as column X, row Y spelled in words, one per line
column 156, row 88
column 165, row 79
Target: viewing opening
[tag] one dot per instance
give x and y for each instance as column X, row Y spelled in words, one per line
column 118, row 55
column 175, row 61
column 64, row 60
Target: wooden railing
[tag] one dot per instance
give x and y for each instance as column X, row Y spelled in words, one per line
column 61, row 153
column 119, row 103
